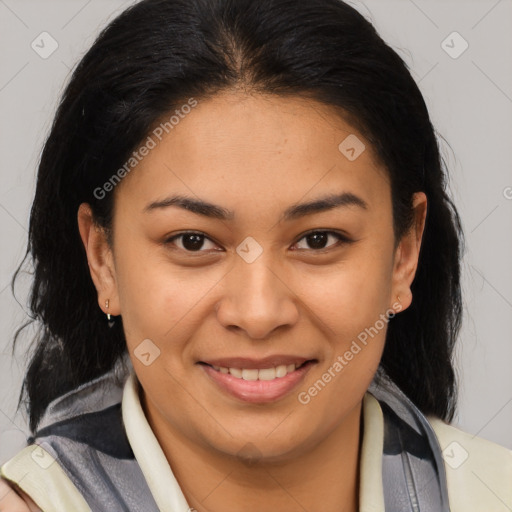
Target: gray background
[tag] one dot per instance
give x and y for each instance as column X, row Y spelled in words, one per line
column 470, row 100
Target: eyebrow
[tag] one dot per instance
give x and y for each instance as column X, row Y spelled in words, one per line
column 295, row 211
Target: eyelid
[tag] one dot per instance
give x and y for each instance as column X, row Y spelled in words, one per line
column 170, row 240
column 342, row 239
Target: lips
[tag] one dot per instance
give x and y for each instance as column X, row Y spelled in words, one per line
column 269, row 368
column 259, row 364
column 258, row 380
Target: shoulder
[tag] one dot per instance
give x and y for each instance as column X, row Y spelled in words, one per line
column 35, row 471
column 478, row 471
column 81, row 435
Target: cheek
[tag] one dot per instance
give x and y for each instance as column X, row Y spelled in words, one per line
column 351, row 296
column 352, row 303
column 159, row 300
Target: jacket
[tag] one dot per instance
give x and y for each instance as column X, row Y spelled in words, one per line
column 95, row 451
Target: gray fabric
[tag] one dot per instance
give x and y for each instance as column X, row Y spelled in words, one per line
column 105, row 482
column 413, row 470
column 83, row 430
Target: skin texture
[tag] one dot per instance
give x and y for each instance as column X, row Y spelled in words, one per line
column 10, row 501
column 255, row 155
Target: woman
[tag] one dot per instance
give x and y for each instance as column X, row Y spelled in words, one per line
column 247, row 273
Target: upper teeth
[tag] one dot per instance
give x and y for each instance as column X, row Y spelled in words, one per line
column 255, row 374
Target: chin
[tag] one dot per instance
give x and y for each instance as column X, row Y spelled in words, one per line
column 267, row 446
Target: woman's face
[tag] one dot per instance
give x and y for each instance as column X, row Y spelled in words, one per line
column 253, row 290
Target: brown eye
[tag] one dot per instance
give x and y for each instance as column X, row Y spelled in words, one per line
column 318, row 240
column 190, row 242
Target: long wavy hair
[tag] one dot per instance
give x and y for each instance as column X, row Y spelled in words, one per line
column 145, row 64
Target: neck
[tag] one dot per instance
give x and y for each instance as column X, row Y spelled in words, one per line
column 212, row 481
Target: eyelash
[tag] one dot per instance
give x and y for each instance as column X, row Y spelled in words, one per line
column 342, row 240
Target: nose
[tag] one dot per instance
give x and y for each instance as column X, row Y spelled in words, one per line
column 257, row 299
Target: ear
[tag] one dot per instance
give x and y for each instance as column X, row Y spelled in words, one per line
column 100, row 260
column 407, row 255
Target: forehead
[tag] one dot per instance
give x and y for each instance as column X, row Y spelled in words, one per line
column 240, row 149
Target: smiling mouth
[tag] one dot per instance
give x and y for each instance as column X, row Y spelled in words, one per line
column 264, row 374
column 260, row 383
